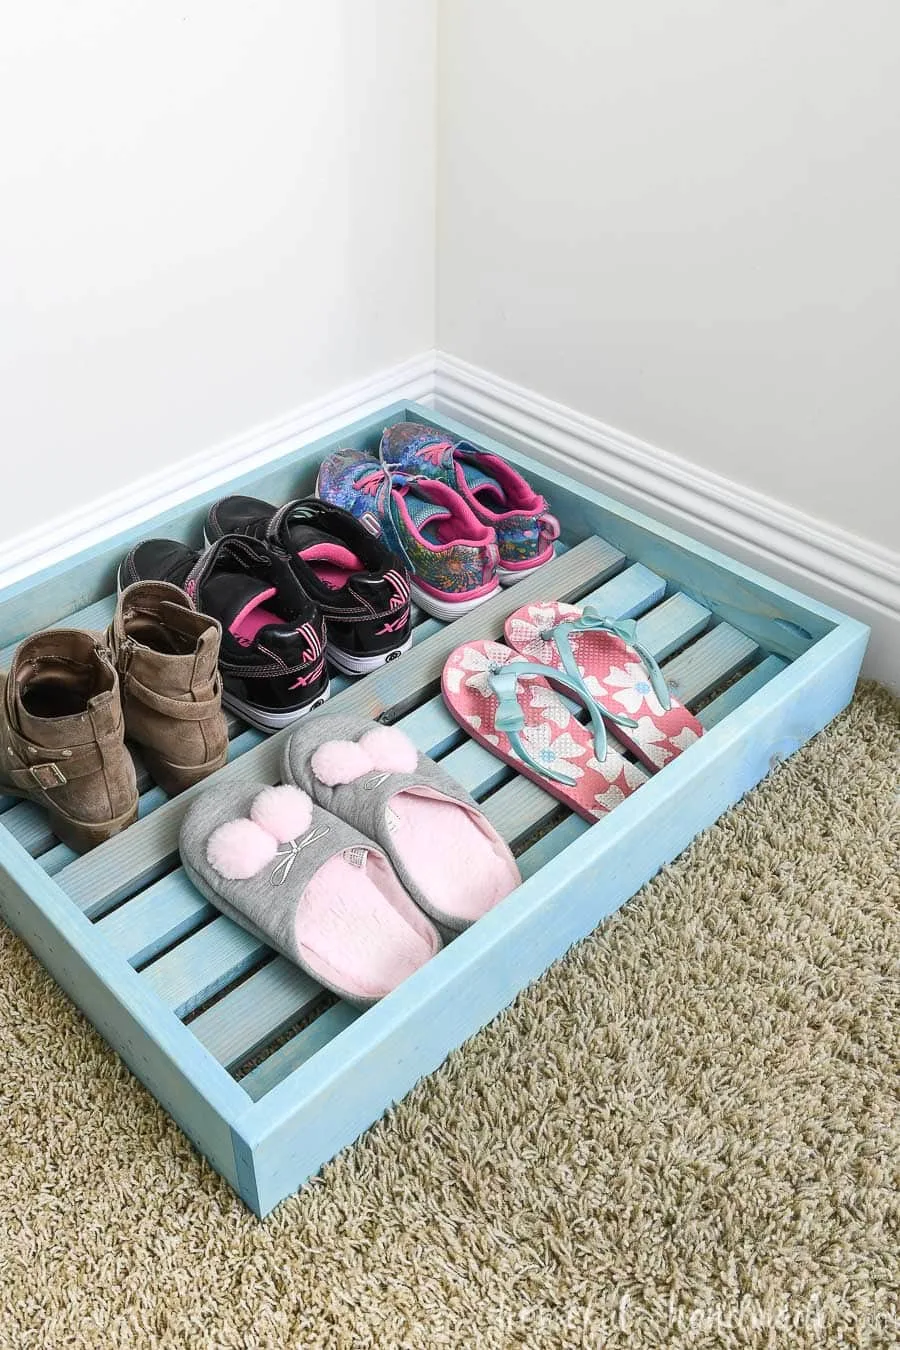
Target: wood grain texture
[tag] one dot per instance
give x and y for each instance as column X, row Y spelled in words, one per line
column 318, row 1091
column 325, row 1102
column 144, row 851
column 258, row 1010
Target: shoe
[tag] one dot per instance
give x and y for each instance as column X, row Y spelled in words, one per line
column 272, row 655
column 62, row 741
column 308, row 884
column 615, row 670
column 451, row 556
column 445, row 851
column 507, row 706
column 358, row 584
column 492, row 489
column 166, row 655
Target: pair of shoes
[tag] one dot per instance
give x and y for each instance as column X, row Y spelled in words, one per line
column 464, row 520
column 72, row 697
column 347, row 868
column 293, row 588
column 508, row 698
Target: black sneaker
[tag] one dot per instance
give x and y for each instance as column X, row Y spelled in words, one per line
column 272, row 657
column 360, row 586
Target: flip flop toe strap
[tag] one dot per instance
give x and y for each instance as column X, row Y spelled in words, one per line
column 510, row 718
column 592, row 621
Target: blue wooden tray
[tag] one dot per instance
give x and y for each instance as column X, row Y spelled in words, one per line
column 267, row 1075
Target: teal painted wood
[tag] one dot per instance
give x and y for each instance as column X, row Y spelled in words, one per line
column 181, row 1074
column 142, row 853
column 299, row 1050
column 741, row 690
column 251, row 1016
column 272, row 1144
column 203, row 964
column 311, row 1114
column 160, row 916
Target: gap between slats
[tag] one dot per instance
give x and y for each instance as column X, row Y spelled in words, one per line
column 667, row 628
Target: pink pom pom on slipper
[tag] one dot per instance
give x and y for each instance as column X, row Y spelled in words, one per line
column 447, row 854
column 309, row 885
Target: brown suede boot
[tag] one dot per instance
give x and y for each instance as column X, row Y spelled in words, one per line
column 62, row 737
column 166, row 655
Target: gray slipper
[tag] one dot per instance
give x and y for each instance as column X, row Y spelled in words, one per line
column 447, row 854
column 307, row 884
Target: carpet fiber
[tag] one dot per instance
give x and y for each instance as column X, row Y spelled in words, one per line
column 684, row 1134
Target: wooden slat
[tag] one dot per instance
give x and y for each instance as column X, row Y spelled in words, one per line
column 127, row 862
column 156, row 919
column 298, row 1050
column 221, row 950
column 707, row 662
column 672, row 624
column 741, row 690
column 549, row 845
column 249, row 1017
column 628, row 594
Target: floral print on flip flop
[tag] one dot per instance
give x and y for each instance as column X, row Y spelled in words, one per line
column 615, row 677
column 551, row 733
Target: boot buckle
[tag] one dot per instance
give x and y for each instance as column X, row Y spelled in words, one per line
column 47, row 776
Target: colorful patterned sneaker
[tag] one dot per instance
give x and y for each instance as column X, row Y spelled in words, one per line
column 272, row 657
column 492, row 489
column 354, row 579
column 451, row 555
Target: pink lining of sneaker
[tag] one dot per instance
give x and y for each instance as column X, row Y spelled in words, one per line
column 245, row 625
column 459, row 526
column 358, row 929
column 332, row 563
column 461, row 867
column 513, row 492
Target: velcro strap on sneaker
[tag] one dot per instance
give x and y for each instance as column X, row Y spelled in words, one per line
column 181, row 710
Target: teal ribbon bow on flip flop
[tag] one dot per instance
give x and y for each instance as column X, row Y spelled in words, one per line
column 592, row 621
column 510, row 718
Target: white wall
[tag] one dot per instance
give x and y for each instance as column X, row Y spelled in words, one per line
column 684, row 219
column 203, row 223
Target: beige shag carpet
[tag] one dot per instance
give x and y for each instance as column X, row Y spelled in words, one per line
column 685, row 1134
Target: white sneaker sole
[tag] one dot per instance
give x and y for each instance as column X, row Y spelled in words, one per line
column 510, row 578
column 363, row 665
column 448, row 610
column 264, row 719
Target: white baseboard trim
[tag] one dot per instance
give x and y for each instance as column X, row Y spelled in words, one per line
column 842, row 569
column 147, row 496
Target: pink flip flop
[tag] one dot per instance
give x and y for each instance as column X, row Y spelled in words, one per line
column 506, row 705
column 605, row 659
